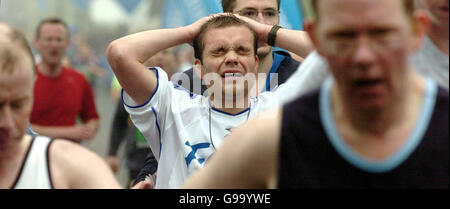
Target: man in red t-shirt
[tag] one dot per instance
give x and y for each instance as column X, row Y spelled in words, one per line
column 61, row 94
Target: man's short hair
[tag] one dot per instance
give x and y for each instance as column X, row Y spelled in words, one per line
column 52, row 20
column 229, row 5
column 221, row 21
column 409, row 6
column 16, row 39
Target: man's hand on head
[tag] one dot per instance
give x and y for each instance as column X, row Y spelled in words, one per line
column 261, row 29
column 194, row 29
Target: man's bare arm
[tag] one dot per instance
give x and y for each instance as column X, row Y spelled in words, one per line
column 78, row 133
column 92, row 126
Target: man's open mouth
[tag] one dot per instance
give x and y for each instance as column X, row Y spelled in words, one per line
column 368, row 82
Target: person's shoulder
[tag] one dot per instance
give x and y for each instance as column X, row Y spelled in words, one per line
column 63, row 151
column 288, row 59
column 80, row 167
column 66, row 148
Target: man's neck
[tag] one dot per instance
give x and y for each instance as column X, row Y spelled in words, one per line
column 51, row 70
column 265, row 65
column 439, row 36
column 232, row 107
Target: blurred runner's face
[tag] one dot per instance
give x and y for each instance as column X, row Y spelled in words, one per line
column 52, row 43
column 367, row 44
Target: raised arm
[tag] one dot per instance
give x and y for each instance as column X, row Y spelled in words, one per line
column 127, row 55
column 294, row 41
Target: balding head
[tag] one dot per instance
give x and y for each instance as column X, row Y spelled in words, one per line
column 16, row 86
column 9, row 34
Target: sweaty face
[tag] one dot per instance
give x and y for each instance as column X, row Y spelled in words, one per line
column 52, row 43
column 438, row 11
column 229, row 56
column 367, row 44
column 16, row 100
column 263, row 11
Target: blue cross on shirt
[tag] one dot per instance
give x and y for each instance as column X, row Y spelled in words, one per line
column 191, row 155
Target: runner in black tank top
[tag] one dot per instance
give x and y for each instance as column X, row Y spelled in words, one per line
column 308, row 159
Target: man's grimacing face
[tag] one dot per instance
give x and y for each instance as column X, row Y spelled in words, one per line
column 229, row 54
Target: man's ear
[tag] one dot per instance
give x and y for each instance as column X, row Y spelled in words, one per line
column 310, row 27
column 420, row 25
column 198, row 68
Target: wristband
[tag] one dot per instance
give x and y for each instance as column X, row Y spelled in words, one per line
column 273, row 35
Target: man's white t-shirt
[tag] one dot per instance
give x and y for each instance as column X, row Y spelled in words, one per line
column 183, row 130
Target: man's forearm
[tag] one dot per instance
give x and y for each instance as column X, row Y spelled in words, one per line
column 55, row 131
column 93, row 125
column 294, row 41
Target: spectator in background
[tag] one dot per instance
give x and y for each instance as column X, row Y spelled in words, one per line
column 61, row 94
column 36, row 162
column 85, row 60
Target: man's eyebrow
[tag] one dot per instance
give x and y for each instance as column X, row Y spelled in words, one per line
column 265, row 9
column 243, row 47
column 22, row 99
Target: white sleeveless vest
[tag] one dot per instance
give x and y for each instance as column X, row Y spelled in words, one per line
column 35, row 172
